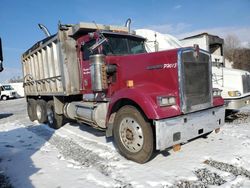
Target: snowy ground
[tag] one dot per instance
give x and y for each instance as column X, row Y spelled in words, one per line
column 33, row 155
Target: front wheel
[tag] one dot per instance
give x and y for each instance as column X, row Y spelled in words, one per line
column 4, row 98
column 133, row 135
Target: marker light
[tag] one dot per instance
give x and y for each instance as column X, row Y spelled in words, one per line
column 130, row 83
column 216, row 92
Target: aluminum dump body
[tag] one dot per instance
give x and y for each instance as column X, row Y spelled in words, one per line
column 51, row 67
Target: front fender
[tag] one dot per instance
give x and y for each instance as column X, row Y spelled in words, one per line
column 145, row 97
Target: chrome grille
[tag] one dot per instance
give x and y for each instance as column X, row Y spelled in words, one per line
column 196, row 83
column 246, row 83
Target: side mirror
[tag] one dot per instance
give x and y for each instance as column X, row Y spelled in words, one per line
column 1, row 56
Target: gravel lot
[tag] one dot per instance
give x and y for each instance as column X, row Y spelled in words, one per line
column 4, row 181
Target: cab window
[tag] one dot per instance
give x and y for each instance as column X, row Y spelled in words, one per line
column 86, row 52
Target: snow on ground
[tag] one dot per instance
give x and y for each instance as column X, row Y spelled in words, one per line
column 33, row 155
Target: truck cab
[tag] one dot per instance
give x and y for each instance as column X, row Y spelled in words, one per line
column 7, row 92
column 114, row 45
column 164, row 86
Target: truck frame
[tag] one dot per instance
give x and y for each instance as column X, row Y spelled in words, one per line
column 101, row 75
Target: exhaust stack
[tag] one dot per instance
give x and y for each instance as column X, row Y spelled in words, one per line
column 45, row 30
column 128, row 23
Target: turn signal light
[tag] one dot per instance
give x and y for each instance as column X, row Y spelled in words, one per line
column 130, row 83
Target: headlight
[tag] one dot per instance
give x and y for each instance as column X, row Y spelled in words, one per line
column 234, row 93
column 166, row 100
column 216, row 92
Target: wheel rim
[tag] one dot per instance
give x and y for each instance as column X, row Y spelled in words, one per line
column 50, row 116
column 131, row 134
column 4, row 98
column 38, row 112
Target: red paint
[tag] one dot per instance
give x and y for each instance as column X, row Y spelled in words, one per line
column 148, row 84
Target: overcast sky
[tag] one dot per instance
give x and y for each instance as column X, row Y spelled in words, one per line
column 181, row 18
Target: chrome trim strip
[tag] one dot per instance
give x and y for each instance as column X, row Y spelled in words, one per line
column 180, row 81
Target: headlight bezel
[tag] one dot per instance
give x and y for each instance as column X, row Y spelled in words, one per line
column 164, row 101
column 234, row 93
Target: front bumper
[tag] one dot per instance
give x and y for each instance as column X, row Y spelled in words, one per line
column 180, row 129
column 235, row 104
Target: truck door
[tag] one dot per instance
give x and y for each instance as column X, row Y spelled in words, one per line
column 84, row 44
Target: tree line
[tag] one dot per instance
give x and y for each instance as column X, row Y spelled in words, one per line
column 234, row 52
column 16, row 79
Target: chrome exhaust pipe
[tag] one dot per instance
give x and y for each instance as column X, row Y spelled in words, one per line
column 128, row 23
column 45, row 30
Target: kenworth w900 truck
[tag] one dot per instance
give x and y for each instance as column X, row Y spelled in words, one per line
column 101, row 75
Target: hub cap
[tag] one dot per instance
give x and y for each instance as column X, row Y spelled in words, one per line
column 131, row 134
column 38, row 112
column 50, row 116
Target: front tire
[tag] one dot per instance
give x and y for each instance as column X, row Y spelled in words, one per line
column 4, row 98
column 133, row 135
column 55, row 120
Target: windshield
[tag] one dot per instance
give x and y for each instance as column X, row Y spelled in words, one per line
column 7, row 87
column 123, row 45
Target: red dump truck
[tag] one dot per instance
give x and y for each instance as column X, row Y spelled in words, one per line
column 101, row 75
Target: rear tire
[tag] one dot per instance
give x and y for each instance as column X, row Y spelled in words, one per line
column 133, row 135
column 55, row 120
column 41, row 111
column 31, row 106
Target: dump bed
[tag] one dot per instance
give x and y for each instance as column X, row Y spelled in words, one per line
column 50, row 67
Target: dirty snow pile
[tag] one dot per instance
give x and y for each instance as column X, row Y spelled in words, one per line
column 33, row 155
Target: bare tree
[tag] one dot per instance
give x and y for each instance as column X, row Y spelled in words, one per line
column 15, row 79
column 242, row 59
column 232, row 43
column 234, row 52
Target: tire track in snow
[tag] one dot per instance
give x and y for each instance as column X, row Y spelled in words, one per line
column 238, row 118
column 236, row 171
column 205, row 178
column 89, row 155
